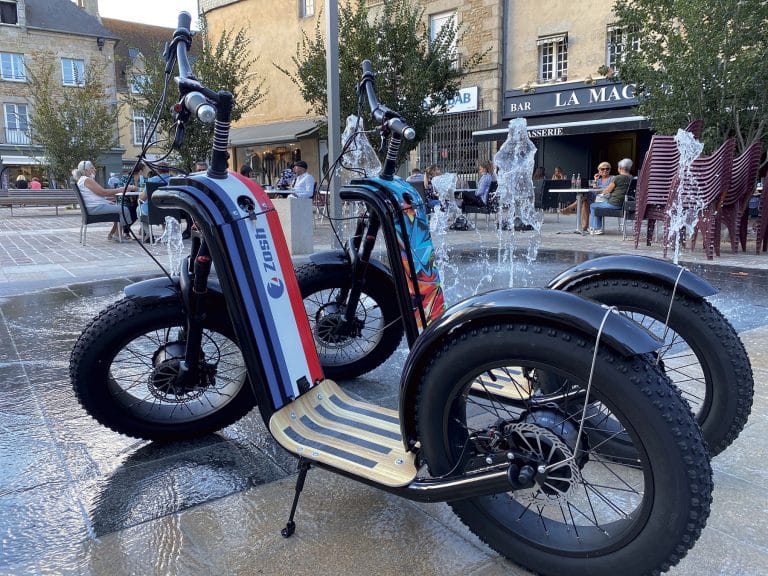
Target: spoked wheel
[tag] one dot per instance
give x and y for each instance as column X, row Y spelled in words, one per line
column 702, row 353
column 345, row 350
column 578, row 511
column 126, row 373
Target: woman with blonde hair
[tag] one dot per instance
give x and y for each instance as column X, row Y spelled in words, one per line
column 95, row 197
column 480, row 197
column 602, row 179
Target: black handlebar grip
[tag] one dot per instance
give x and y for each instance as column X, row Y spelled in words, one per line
column 185, row 20
column 367, row 67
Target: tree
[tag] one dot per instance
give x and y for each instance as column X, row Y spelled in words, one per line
column 409, row 67
column 70, row 124
column 700, row 59
column 225, row 65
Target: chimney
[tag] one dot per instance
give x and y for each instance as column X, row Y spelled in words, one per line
column 91, row 7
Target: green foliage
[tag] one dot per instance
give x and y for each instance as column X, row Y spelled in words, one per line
column 223, row 65
column 701, row 59
column 70, row 124
column 409, row 68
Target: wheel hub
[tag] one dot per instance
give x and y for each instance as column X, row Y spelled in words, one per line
column 167, row 381
column 548, row 442
column 331, row 327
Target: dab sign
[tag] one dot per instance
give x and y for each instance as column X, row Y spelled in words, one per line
column 465, row 100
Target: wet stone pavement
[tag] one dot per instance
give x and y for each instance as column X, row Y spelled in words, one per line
column 76, row 498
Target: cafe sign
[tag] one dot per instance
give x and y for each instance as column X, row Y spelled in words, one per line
column 573, row 97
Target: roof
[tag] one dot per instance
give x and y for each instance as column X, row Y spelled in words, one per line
column 273, row 133
column 147, row 39
column 64, row 16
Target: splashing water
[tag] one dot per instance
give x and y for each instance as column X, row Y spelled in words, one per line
column 687, row 208
column 514, row 162
column 444, row 186
column 359, row 159
column 172, row 235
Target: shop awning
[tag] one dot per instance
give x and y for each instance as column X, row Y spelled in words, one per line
column 597, row 121
column 274, row 133
column 23, row 161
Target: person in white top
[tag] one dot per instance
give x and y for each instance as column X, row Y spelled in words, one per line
column 96, row 197
column 304, row 185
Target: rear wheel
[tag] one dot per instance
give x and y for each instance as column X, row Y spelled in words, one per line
column 702, row 353
column 581, row 512
column 349, row 351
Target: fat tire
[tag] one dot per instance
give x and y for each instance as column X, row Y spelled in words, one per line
column 379, row 287
column 718, row 348
column 676, row 504
column 107, row 334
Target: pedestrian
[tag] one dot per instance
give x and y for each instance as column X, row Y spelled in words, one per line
column 246, row 170
column 35, row 184
column 21, row 182
column 611, row 196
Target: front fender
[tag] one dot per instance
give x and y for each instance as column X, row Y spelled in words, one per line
column 519, row 305
column 640, row 267
column 334, row 258
column 162, row 288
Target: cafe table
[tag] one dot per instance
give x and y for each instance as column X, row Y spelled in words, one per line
column 579, row 195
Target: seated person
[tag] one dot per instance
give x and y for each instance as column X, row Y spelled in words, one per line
column 613, row 193
column 304, row 185
column 602, row 179
column 96, row 197
column 286, row 179
column 480, row 196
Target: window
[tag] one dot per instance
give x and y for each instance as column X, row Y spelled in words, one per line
column 553, row 58
column 133, row 53
column 137, row 83
column 306, row 8
column 16, row 124
column 12, row 66
column 8, row 13
column 438, row 22
column 620, row 42
column 72, row 72
column 139, row 129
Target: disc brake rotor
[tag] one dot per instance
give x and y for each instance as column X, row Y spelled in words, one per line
column 547, row 448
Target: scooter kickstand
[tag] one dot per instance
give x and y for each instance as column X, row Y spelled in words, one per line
column 290, row 527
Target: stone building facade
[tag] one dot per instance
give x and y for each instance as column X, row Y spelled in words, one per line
column 281, row 128
column 76, row 39
column 558, row 73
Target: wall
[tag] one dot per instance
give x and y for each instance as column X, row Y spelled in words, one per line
column 585, row 22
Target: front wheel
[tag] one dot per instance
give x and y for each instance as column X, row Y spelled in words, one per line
column 702, row 353
column 125, row 366
column 579, row 511
column 349, row 351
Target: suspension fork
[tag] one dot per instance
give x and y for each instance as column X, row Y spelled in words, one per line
column 200, row 264
column 360, row 251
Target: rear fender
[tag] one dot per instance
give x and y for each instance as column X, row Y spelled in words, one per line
column 631, row 266
column 517, row 306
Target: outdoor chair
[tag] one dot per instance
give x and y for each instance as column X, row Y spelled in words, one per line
column 734, row 213
column 712, row 177
column 490, row 207
column 624, row 212
column 654, row 183
column 761, row 227
column 155, row 215
column 88, row 218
